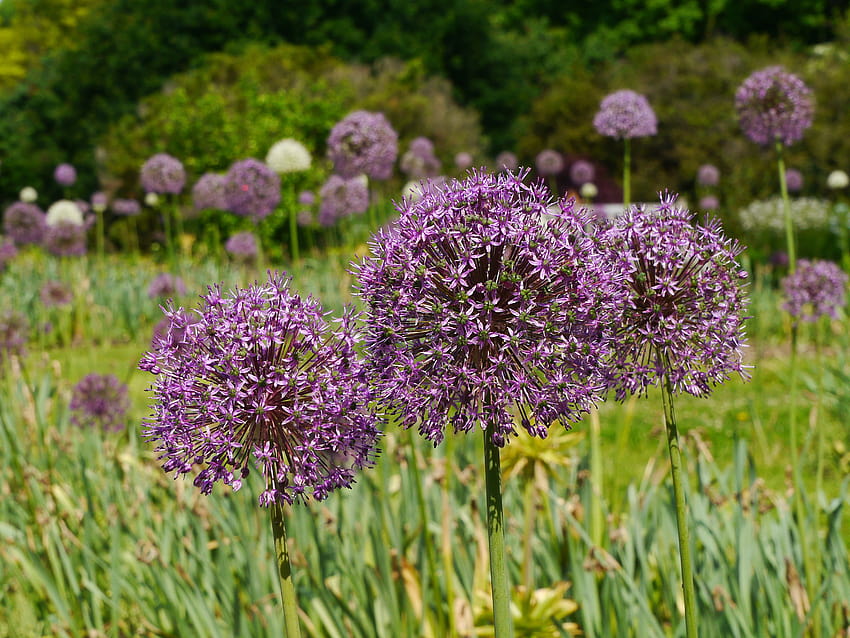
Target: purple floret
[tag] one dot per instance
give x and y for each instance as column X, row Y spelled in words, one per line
column 625, row 114
column 774, row 105
column 100, row 401
column 163, row 174
column 363, row 143
column 251, row 189
column 420, row 161
column 816, row 289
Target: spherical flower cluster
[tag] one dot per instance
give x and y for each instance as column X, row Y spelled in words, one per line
column 682, row 316
column 342, row 197
column 14, row 331
column 262, row 374
column 251, row 189
column 709, row 202
column 208, row 192
column 162, row 173
column 774, row 105
column 55, row 294
column 506, row 161
column 486, row 301
column 816, row 289
column 463, row 161
column 708, row 175
column 166, row 285
column 65, row 174
column 837, row 180
column 100, row 401
column 65, row 239
column 768, row 215
column 99, row 201
column 582, row 172
column 8, row 251
column 126, row 207
column 420, row 161
column 549, row 162
column 152, row 200
column 288, row 156
column 625, row 114
column 24, row 223
column 588, row 190
column 306, row 198
column 242, row 246
column 64, row 211
column 28, row 194
column 793, row 180
column 363, row 142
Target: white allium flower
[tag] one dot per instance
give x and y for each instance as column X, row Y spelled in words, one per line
column 29, row 194
column 288, row 156
column 836, row 180
column 363, row 179
column 64, row 210
column 588, row 190
column 151, row 199
column 768, row 215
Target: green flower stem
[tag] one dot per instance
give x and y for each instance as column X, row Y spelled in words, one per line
column 681, row 511
column 284, row 571
column 294, row 253
column 528, row 533
column 446, row 536
column 169, row 239
column 596, row 475
column 502, row 621
column 100, row 234
column 786, row 204
column 627, row 173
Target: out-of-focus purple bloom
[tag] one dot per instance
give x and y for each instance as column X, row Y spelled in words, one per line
column 14, row 331
column 65, row 174
column 708, row 175
column 306, row 198
column 251, row 189
column 779, row 259
column 463, row 161
column 243, row 246
column 549, row 162
column 305, row 217
column 24, row 223
column 420, row 161
column 682, row 316
column 100, row 401
column 625, row 114
column 208, row 192
column 263, row 375
column 65, row 239
column 816, row 289
column 506, row 161
column 166, row 285
column 99, row 202
column 163, row 173
column 774, row 105
column 709, row 202
column 363, row 142
column 582, row 172
column 342, row 197
column 8, row 251
column 54, row 294
column 126, row 207
column 793, row 180
column 486, row 301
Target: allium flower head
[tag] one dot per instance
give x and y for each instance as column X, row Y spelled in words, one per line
column 54, row 294
column 99, row 201
column 166, row 285
column 342, row 197
column 363, row 142
column 816, row 288
column 65, row 239
column 28, row 194
column 683, row 311
column 588, row 190
column 485, row 303
column 243, row 246
column 262, row 374
column 420, row 161
column 14, row 330
column 625, row 114
column 773, row 104
column 100, row 401
column 65, row 174
column 152, row 200
column 708, row 175
column 126, row 207
column 64, row 211
column 8, row 251
column 506, row 161
column 24, row 223
column 549, row 162
column 208, row 192
column 709, row 202
column 306, row 198
column 837, row 180
column 793, row 180
column 251, row 189
column 162, row 174
column 582, row 172
column 463, row 161
column 288, row 156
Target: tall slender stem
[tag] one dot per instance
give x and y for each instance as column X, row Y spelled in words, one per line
column 528, row 533
column 295, row 254
column 681, row 510
column 502, row 622
column 786, row 205
column 596, row 476
column 627, row 173
column 284, row 571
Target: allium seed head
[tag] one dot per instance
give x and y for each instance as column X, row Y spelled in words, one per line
column 772, row 105
column 625, row 114
column 816, row 288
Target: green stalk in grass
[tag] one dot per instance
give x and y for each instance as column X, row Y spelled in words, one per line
column 284, row 572
column 627, row 172
column 790, row 241
column 502, row 621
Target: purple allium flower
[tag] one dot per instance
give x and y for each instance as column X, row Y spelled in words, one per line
column 486, row 301
column 162, row 173
column 625, row 114
column 208, row 192
column 54, row 294
column 251, row 189
column 793, row 180
column 306, row 198
column 8, row 252
column 14, row 331
column 305, row 218
column 126, row 207
column 817, row 288
column 778, row 259
column 342, row 197
column 549, row 162
column 243, row 246
column 65, row 174
column 708, row 175
column 24, row 223
column 506, row 161
column 709, row 202
column 99, row 201
column 772, row 105
column 582, row 172
column 65, row 239
column 363, row 142
column 420, row 161
column 262, row 374
column 684, row 301
column 100, row 401
column 463, row 161
column 166, row 285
